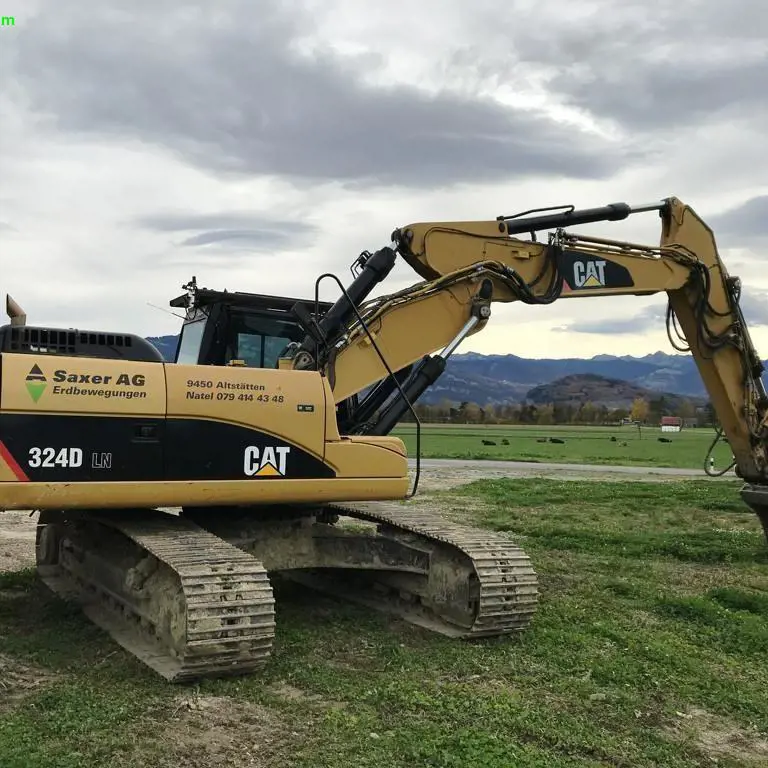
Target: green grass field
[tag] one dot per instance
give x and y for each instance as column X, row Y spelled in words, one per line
column 650, row 648
column 583, row 445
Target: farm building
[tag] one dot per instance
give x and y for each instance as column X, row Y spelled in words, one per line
column 671, row 423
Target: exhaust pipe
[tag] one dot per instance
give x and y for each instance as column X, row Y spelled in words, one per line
column 14, row 311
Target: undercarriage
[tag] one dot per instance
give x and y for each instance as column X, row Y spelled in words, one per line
column 188, row 593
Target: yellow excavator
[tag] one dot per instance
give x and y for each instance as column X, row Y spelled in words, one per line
column 170, row 493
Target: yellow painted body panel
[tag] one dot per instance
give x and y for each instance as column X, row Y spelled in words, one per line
column 356, row 457
column 296, row 407
column 7, row 475
column 212, row 392
column 17, row 495
column 82, row 386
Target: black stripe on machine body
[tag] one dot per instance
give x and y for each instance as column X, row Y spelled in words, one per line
column 60, row 448
column 584, row 271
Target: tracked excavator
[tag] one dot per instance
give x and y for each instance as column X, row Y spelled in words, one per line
column 171, row 494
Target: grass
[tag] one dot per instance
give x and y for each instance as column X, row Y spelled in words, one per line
column 649, row 649
column 583, row 445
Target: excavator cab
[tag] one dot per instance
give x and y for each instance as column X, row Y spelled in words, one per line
column 246, row 329
column 236, row 328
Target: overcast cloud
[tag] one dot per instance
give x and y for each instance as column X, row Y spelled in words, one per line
column 754, row 306
column 237, row 230
column 259, row 145
column 230, row 93
column 746, row 221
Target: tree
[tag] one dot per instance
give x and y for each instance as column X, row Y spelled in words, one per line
column 706, row 415
column 686, row 410
column 528, row 414
column 473, row 414
column 640, row 409
column 564, row 413
column 546, row 414
column 508, row 413
column 443, row 410
column 618, row 414
column 459, row 415
column 657, row 407
column 587, row 413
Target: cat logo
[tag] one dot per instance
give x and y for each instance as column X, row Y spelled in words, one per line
column 36, row 383
column 590, row 274
column 268, row 462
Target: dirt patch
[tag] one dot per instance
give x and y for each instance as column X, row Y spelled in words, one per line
column 213, row 731
column 289, row 692
column 19, row 680
column 17, row 540
column 717, row 737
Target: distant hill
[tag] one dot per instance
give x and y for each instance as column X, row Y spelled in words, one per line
column 166, row 344
column 589, row 387
column 489, row 379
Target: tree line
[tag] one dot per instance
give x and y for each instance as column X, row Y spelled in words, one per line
column 643, row 410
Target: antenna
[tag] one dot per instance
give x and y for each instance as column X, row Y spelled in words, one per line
column 163, row 309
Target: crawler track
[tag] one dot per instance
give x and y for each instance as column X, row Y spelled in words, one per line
column 480, row 583
column 183, row 601
column 193, row 603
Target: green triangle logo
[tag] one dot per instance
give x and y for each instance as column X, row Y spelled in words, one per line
column 36, row 389
column 36, row 383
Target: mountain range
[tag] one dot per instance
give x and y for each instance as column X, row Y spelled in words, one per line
column 489, row 379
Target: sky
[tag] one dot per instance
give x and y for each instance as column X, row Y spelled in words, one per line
column 257, row 145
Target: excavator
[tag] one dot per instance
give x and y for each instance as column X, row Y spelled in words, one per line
column 172, row 495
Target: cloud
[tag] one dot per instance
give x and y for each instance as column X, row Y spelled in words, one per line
column 644, row 70
column 232, row 91
column 252, row 237
column 178, row 222
column 754, row 305
column 237, row 229
column 748, row 220
column 647, row 319
column 654, row 66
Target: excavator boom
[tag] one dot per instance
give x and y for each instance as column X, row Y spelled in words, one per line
column 467, row 265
